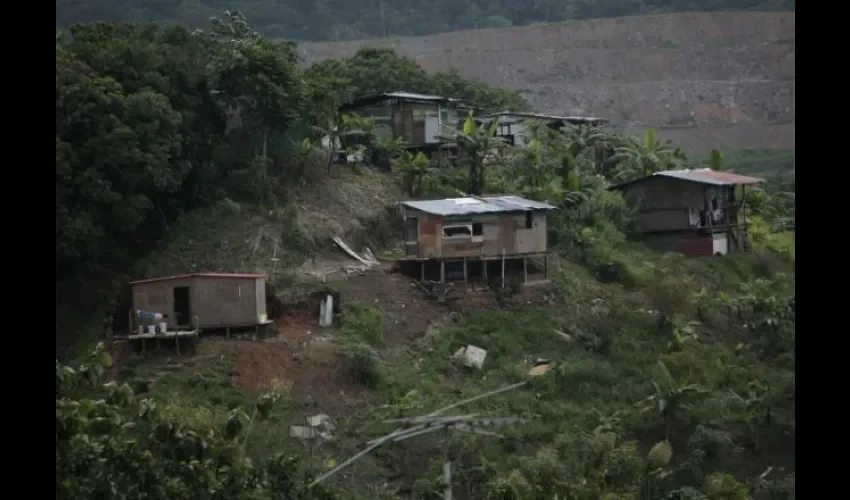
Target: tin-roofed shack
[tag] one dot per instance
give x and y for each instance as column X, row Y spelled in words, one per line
column 474, row 230
column 419, row 119
column 204, row 300
column 513, row 125
column 694, row 212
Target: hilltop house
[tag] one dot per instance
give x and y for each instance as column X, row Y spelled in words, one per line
column 418, row 119
column 474, row 232
column 513, row 124
column 694, row 212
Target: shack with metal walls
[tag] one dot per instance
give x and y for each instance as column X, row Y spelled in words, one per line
column 475, row 229
column 693, row 212
column 204, row 300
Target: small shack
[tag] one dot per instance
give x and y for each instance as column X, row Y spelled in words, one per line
column 475, row 229
column 419, row 119
column 693, row 212
column 204, row 300
column 513, row 125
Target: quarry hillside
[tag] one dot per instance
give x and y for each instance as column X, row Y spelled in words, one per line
column 703, row 80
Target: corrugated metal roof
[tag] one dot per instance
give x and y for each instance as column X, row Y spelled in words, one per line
column 201, row 275
column 542, row 116
column 709, row 176
column 483, row 205
column 410, row 96
column 702, row 176
column 418, row 97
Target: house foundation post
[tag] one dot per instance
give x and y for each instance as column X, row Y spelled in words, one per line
column 421, row 270
column 525, row 271
column 465, row 275
column 442, row 271
column 503, row 268
column 545, row 267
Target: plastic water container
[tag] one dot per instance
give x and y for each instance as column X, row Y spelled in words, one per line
column 148, row 315
column 141, row 329
column 163, row 327
column 151, row 328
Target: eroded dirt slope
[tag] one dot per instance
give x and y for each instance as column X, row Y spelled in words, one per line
column 704, row 80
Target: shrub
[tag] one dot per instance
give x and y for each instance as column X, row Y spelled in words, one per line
column 362, row 361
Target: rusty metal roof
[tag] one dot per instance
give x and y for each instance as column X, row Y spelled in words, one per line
column 201, row 275
column 478, row 205
column 701, row 175
column 709, row 176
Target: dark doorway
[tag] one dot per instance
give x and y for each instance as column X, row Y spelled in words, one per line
column 181, row 306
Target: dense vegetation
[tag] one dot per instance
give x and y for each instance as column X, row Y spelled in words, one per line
column 153, row 122
column 338, row 20
column 677, row 381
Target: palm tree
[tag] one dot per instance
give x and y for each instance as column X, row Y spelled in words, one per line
column 670, row 398
column 593, row 144
column 638, row 158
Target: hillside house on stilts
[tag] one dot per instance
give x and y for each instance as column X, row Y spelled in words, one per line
column 693, row 212
column 464, row 238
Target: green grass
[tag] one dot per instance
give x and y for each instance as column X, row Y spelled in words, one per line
column 608, row 369
column 589, row 382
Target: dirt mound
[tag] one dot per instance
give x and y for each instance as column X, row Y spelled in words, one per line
column 718, row 79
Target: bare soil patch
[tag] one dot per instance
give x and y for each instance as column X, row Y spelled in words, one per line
column 316, row 372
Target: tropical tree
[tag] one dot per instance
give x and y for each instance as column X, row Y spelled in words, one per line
column 592, row 145
column 478, row 146
column 414, row 172
column 637, row 158
column 670, row 398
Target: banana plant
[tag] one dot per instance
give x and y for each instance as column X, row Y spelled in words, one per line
column 670, row 398
column 477, row 144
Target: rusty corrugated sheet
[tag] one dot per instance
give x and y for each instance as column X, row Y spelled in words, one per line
column 708, row 176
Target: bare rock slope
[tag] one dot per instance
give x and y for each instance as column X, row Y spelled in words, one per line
column 706, row 80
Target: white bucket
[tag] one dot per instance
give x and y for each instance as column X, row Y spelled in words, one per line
column 151, row 328
column 163, row 327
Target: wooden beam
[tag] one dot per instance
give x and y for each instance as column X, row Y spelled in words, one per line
column 503, row 268
column 465, row 273
column 524, row 271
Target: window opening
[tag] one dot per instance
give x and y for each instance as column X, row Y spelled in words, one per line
column 450, row 232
